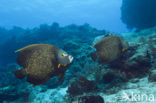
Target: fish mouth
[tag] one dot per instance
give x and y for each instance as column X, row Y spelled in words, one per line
column 70, row 58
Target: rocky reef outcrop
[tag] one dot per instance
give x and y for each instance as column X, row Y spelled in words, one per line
column 139, row 14
column 91, row 99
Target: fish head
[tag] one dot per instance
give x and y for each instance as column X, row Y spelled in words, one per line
column 125, row 43
column 64, row 58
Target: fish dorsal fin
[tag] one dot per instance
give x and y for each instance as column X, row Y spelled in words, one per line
column 33, row 45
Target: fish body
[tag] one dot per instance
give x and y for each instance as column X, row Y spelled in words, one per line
column 40, row 63
column 108, row 49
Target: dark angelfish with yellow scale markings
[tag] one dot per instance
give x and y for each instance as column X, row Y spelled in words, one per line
column 42, row 62
column 108, row 49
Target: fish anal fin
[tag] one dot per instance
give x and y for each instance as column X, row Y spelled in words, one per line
column 60, row 79
column 34, row 80
column 34, row 85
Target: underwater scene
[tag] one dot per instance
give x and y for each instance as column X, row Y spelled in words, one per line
column 77, row 51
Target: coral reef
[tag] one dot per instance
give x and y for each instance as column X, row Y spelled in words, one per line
column 82, row 85
column 91, row 99
column 152, row 76
column 85, row 80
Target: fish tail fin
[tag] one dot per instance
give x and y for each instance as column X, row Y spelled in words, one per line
column 21, row 73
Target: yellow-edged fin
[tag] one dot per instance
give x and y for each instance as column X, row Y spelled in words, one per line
column 123, row 49
column 28, row 47
column 63, row 54
column 59, row 65
column 125, row 41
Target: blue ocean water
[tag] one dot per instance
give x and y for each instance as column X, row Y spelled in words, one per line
column 113, row 45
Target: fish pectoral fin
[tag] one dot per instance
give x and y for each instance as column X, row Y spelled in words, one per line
column 59, row 65
column 60, row 79
column 123, row 49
